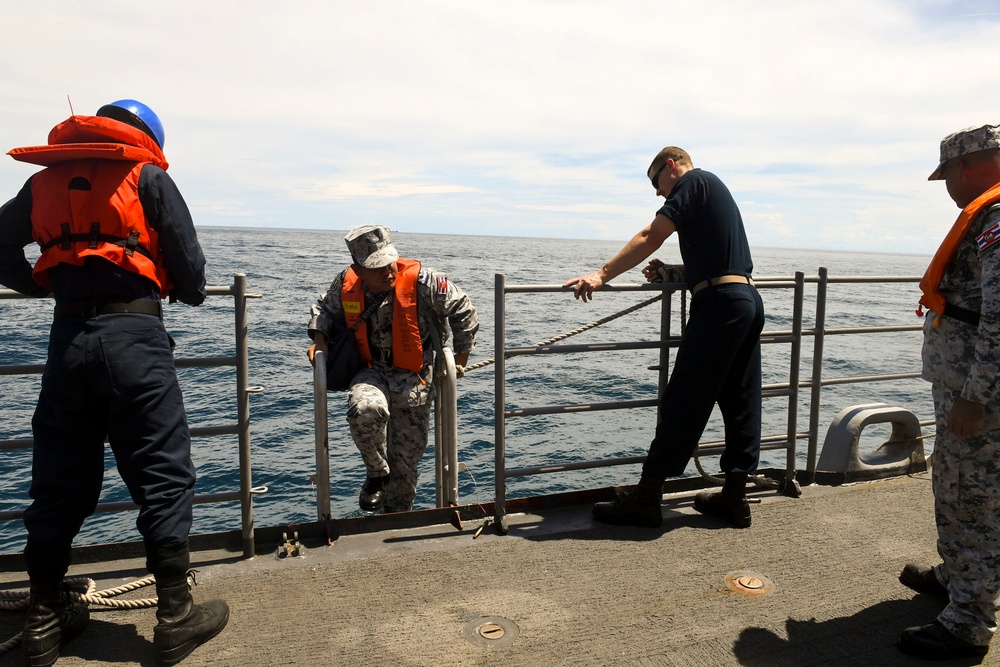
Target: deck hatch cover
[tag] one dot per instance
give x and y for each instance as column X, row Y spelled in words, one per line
column 749, row 584
column 491, row 631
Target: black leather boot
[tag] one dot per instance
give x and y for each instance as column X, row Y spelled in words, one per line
column 372, row 495
column 638, row 506
column 922, row 579
column 182, row 625
column 730, row 504
column 935, row 642
column 53, row 619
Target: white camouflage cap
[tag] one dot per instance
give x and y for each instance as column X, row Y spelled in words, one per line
column 970, row 140
column 371, row 246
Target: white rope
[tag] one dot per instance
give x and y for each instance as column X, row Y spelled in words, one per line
column 18, row 599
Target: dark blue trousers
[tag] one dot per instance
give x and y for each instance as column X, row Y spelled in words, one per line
column 718, row 361
column 108, row 376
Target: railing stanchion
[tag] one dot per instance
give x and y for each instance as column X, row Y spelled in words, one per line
column 450, row 451
column 664, row 373
column 791, row 425
column 322, row 438
column 500, row 467
column 243, row 412
column 446, row 428
column 816, row 381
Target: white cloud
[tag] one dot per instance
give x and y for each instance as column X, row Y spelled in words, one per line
column 348, row 190
column 526, row 117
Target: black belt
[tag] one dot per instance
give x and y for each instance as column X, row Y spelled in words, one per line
column 106, row 307
column 961, row 314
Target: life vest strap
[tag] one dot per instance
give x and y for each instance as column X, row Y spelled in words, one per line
column 132, row 243
column 65, row 240
column 92, row 308
column 961, row 314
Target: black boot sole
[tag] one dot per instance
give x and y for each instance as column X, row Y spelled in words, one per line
column 710, row 505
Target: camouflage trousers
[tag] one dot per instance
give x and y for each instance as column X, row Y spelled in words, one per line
column 966, row 479
column 389, row 412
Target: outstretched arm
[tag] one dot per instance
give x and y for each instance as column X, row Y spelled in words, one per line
column 642, row 245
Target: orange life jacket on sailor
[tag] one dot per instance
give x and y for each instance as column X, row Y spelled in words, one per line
column 931, row 282
column 407, row 347
column 86, row 202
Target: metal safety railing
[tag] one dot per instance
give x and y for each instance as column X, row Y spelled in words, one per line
column 820, row 332
column 446, row 466
column 241, row 428
column 789, row 390
column 666, row 342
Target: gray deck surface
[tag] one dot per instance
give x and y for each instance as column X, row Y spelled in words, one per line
column 567, row 591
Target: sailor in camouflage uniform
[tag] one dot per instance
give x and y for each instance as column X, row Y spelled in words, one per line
column 389, row 402
column 961, row 358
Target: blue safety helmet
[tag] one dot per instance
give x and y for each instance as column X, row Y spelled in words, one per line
column 137, row 115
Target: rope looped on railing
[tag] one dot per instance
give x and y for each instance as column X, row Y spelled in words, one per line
column 573, row 332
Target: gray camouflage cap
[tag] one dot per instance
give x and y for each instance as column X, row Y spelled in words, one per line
column 970, row 140
column 371, row 246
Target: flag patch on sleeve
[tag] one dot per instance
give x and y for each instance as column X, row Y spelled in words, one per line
column 988, row 237
column 442, row 287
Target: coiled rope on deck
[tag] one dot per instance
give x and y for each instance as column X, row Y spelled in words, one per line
column 18, row 599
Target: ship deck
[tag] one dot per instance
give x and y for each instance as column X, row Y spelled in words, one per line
column 563, row 590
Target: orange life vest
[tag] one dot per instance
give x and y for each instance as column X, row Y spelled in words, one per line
column 407, row 347
column 931, row 281
column 86, row 202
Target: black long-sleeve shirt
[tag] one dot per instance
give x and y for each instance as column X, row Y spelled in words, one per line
column 165, row 211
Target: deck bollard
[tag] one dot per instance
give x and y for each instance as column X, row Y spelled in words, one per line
column 901, row 454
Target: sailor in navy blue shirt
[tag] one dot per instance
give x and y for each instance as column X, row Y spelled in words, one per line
column 109, row 373
column 718, row 361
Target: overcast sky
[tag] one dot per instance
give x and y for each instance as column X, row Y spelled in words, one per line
column 521, row 118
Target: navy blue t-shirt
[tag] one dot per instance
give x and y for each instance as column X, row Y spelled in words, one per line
column 710, row 229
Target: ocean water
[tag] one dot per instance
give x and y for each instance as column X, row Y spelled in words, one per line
column 292, row 268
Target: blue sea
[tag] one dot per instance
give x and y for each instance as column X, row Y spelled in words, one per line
column 292, row 268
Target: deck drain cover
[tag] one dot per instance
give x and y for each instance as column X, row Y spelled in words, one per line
column 491, row 631
column 748, row 583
